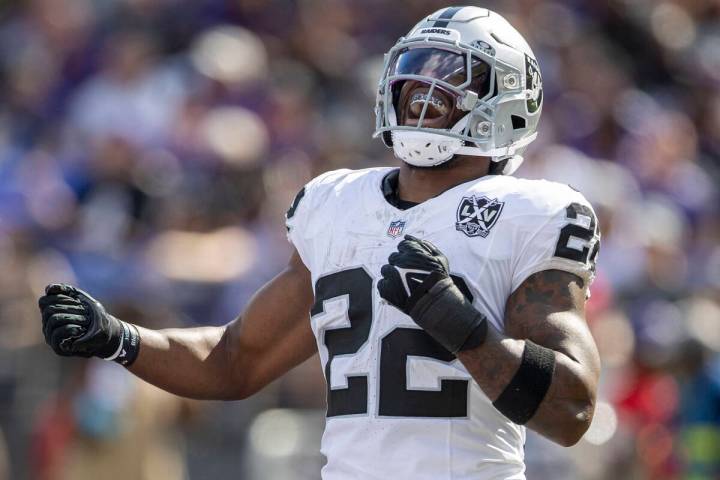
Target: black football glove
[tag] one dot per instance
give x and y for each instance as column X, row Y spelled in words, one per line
column 75, row 324
column 417, row 281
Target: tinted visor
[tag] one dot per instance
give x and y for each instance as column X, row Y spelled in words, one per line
column 444, row 65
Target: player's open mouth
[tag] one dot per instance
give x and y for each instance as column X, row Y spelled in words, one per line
column 436, row 106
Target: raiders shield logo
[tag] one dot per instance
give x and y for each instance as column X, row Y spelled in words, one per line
column 477, row 215
column 533, row 80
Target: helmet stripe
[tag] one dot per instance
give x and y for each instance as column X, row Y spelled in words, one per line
column 446, row 15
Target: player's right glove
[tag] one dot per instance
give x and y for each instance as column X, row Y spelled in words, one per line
column 75, row 324
column 417, row 281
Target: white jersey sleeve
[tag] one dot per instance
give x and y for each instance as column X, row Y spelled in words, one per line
column 302, row 220
column 560, row 232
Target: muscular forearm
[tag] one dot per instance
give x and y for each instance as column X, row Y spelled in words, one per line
column 567, row 408
column 191, row 362
column 223, row 363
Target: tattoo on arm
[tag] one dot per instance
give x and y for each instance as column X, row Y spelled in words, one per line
column 540, row 296
column 548, row 308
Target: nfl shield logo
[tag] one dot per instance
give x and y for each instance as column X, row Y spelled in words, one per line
column 396, row 228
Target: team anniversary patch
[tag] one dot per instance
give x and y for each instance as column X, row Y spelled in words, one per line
column 477, row 215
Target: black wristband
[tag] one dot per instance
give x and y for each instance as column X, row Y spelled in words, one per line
column 526, row 391
column 476, row 337
column 449, row 317
column 129, row 346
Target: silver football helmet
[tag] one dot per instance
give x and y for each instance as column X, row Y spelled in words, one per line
column 467, row 66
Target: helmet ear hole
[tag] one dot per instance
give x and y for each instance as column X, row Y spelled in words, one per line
column 387, row 138
column 518, row 122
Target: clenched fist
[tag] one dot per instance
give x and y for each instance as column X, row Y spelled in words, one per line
column 75, row 324
column 416, row 280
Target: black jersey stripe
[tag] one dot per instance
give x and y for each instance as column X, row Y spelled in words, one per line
column 445, row 16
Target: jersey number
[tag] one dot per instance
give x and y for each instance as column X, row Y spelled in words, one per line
column 578, row 241
column 395, row 399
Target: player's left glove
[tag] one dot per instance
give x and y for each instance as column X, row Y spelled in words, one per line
column 417, row 281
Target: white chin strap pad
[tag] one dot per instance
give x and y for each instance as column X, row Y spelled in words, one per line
column 424, row 149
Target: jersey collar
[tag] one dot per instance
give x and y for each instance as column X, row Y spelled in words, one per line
column 390, row 191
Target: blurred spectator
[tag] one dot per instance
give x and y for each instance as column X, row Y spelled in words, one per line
column 133, row 96
column 4, row 466
column 108, row 424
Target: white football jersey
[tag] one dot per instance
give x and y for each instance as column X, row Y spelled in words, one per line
column 400, row 406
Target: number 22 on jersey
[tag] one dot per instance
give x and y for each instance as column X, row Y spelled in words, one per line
column 395, row 399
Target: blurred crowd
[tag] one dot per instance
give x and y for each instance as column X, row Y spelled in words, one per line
column 148, row 151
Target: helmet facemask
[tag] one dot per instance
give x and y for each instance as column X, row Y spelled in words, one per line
column 452, row 103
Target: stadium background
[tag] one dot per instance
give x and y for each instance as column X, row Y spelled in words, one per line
column 148, row 151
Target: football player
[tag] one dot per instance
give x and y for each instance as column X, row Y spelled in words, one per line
column 447, row 299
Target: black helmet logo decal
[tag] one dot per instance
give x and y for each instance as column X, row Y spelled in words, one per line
column 534, row 84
